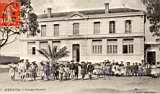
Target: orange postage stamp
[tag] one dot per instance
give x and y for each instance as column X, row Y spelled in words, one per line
column 9, row 13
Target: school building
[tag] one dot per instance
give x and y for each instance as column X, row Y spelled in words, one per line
column 90, row 35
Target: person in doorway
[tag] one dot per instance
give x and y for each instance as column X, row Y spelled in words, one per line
column 72, row 68
column 76, row 69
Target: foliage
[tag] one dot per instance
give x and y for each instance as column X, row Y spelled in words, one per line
column 33, row 24
column 153, row 15
column 53, row 54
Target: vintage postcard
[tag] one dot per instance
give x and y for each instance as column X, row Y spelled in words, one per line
column 79, row 47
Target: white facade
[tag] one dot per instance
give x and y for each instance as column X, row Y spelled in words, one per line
column 93, row 40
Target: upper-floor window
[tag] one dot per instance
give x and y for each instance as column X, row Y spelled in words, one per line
column 56, row 29
column 75, row 28
column 43, row 30
column 128, row 26
column 96, row 27
column 112, row 27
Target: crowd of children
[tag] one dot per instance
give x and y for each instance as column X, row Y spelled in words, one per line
column 25, row 70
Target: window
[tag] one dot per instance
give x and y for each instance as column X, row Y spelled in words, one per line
column 31, row 48
column 128, row 47
column 75, row 28
column 96, row 27
column 43, row 30
column 97, row 46
column 56, row 29
column 56, row 44
column 112, row 27
column 128, row 26
column 44, row 45
column 112, row 46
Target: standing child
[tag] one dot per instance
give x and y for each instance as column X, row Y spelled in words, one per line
column 12, row 72
column 61, row 72
column 66, row 73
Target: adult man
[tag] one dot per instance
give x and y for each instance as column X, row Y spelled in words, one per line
column 72, row 69
column 76, row 70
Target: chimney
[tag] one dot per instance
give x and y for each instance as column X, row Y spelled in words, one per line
column 49, row 12
column 106, row 8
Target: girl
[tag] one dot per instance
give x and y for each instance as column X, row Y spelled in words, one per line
column 12, row 72
column 61, row 72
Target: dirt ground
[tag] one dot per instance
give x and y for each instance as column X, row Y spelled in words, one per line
column 109, row 85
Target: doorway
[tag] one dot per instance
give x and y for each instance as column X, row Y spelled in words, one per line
column 76, row 52
column 151, row 58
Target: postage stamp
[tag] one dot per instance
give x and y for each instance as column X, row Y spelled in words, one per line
column 9, row 13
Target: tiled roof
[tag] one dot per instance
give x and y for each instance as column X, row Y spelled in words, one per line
column 90, row 12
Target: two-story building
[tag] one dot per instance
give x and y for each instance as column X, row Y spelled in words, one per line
column 90, row 35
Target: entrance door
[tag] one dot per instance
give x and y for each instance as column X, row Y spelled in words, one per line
column 76, row 52
column 151, row 58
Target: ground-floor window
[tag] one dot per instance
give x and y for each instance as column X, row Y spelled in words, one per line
column 97, row 46
column 44, row 45
column 56, row 44
column 128, row 47
column 112, row 47
column 31, row 48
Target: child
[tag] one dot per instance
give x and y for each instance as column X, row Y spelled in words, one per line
column 61, row 72
column 12, row 72
column 66, row 73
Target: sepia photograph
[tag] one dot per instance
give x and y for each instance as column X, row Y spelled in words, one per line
column 79, row 46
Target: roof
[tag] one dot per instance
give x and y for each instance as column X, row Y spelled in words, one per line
column 8, row 59
column 90, row 12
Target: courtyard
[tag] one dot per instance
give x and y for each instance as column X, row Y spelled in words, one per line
column 108, row 85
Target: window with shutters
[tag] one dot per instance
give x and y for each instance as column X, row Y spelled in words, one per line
column 96, row 27
column 56, row 30
column 43, row 30
column 75, row 28
column 97, row 47
column 44, row 45
column 56, row 44
column 112, row 47
column 128, row 26
column 128, row 47
column 112, row 27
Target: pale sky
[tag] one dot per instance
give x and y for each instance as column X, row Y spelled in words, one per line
column 70, row 5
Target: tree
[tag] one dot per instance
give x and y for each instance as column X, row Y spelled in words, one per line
column 53, row 54
column 153, row 15
column 28, row 23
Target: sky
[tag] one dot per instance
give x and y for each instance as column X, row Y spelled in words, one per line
column 40, row 6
